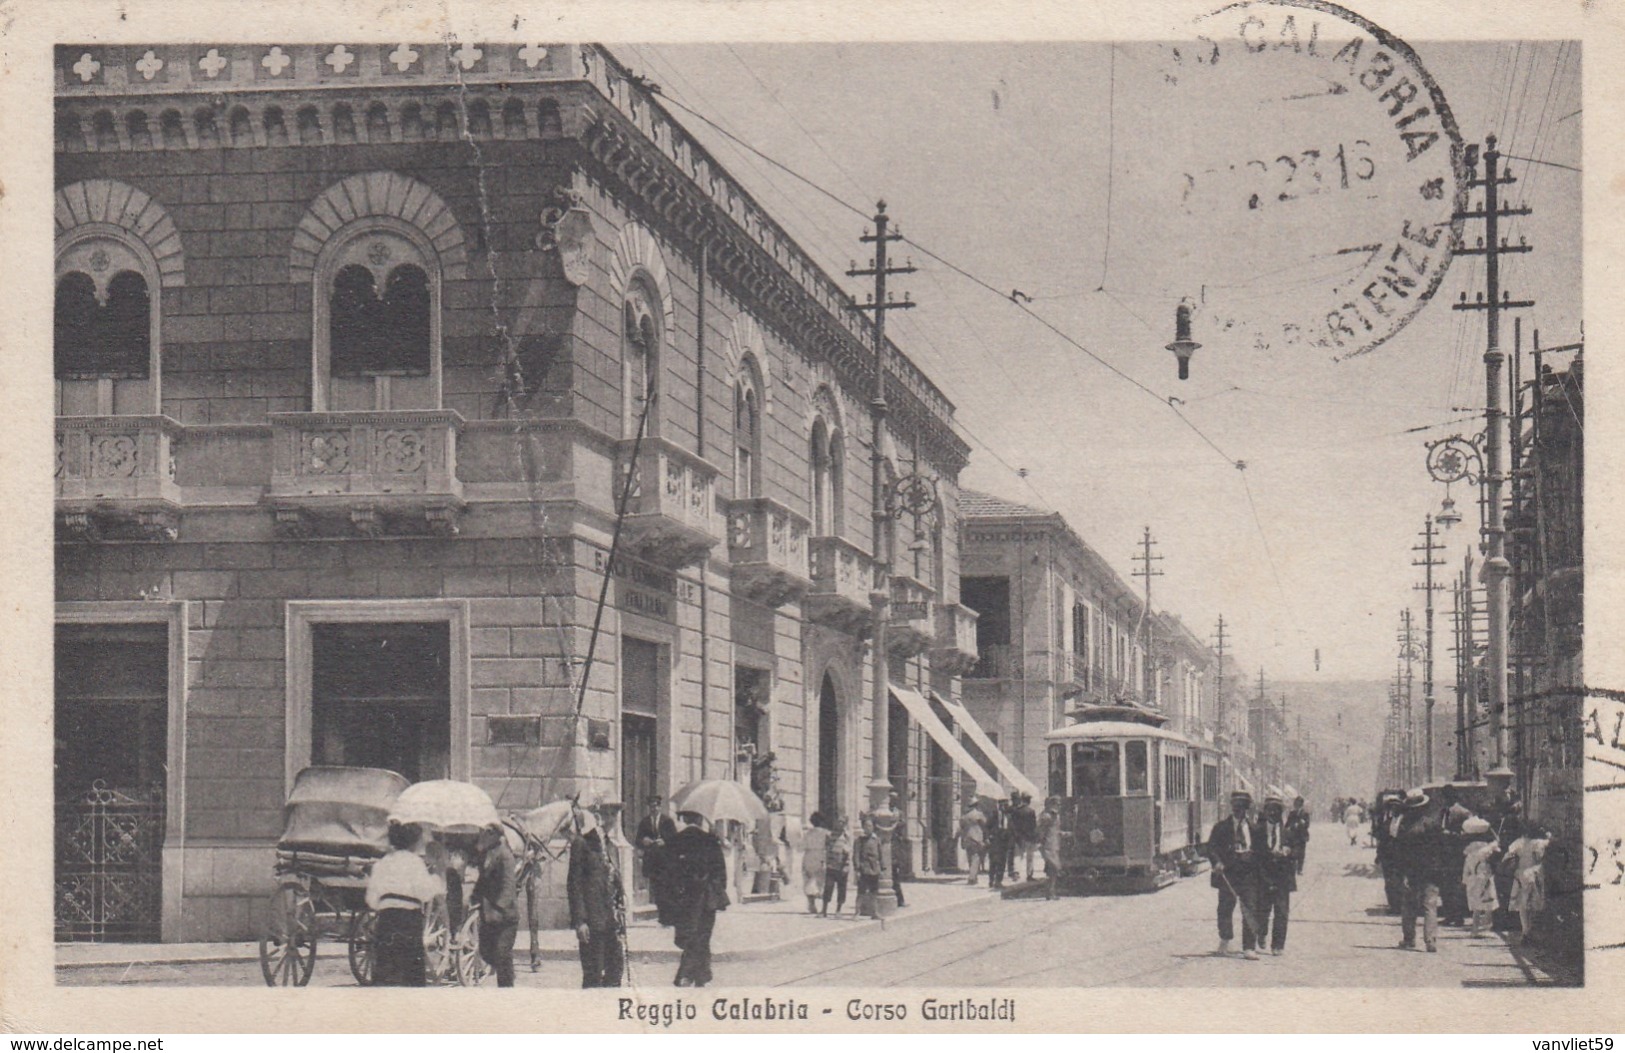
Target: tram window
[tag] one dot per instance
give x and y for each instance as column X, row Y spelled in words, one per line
column 1137, row 766
column 1094, row 769
column 1057, row 770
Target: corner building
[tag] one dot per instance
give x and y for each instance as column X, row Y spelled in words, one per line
column 358, row 350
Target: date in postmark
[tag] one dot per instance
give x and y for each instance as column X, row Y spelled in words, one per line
column 1325, row 209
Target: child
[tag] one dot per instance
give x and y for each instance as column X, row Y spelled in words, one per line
column 1478, row 873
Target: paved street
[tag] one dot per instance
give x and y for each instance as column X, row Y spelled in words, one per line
column 1339, row 938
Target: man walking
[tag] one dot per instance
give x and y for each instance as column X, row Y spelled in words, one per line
column 698, row 882
column 998, row 844
column 654, row 831
column 1230, row 846
column 1297, row 824
column 1049, row 835
column 1277, row 876
column 497, row 893
column 973, row 837
column 596, row 908
column 1416, row 849
column 1385, row 832
column 1024, row 831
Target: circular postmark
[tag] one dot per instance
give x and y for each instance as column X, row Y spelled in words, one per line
column 1297, row 172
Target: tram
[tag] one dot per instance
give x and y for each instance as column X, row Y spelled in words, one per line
column 1137, row 799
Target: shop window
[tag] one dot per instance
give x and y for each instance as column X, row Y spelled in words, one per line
column 381, row 697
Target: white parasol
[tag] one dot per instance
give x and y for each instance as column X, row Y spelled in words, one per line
column 719, row 799
column 446, row 806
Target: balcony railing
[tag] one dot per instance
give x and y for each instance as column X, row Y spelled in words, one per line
column 955, row 652
column 911, row 625
column 115, row 477
column 993, row 662
column 842, row 577
column 767, row 545
column 671, row 507
column 365, row 472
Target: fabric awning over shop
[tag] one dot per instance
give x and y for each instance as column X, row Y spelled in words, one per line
column 1007, row 768
column 920, row 709
column 1243, row 783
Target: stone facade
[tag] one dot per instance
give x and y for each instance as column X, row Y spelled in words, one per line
column 585, row 314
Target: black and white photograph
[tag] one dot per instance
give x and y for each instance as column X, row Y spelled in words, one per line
column 897, row 527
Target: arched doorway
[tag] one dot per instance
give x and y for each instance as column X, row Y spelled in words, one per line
column 829, row 747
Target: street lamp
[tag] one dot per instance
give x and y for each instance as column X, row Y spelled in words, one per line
column 1453, row 460
column 1183, row 346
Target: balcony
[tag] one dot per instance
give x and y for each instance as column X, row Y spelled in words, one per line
column 369, row 474
column 115, row 478
column 993, row 662
column 955, row 653
column 671, row 508
column 911, row 628
column 842, row 575
column 767, row 545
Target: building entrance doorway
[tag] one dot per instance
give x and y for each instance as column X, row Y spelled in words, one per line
column 380, row 697
column 112, row 722
column 641, row 681
column 829, row 748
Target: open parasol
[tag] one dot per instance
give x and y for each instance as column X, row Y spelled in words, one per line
column 719, row 799
column 446, row 806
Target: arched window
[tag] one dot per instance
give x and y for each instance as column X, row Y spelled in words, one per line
column 640, row 361
column 105, row 335
column 748, row 431
column 747, row 439
column 818, row 457
column 378, row 285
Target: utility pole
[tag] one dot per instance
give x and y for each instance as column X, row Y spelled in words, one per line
column 1407, row 653
column 1459, row 651
column 1428, row 547
column 1147, row 570
column 1260, row 741
column 1492, row 302
column 880, row 786
column 1221, row 715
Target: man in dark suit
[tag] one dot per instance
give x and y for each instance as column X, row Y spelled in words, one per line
column 697, row 882
column 1023, row 831
column 1231, row 847
column 654, row 832
column 1417, row 846
column 597, row 908
column 1297, row 824
column 1277, row 875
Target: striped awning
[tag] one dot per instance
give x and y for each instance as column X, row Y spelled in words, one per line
column 1006, row 767
column 920, row 709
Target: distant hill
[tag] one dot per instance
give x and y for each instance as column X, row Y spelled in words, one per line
column 1345, row 719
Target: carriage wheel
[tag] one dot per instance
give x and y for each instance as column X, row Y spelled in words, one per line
column 436, row 942
column 467, row 965
column 288, row 942
column 363, row 943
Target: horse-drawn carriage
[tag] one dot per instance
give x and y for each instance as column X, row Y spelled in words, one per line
column 334, row 829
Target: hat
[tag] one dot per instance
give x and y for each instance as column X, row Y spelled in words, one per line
column 1475, row 826
column 1241, row 795
column 1416, row 798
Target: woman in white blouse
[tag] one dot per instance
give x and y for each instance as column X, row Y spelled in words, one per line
column 398, row 889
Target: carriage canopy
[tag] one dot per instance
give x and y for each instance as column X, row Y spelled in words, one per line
column 343, row 811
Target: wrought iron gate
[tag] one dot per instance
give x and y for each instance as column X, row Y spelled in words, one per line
column 109, row 864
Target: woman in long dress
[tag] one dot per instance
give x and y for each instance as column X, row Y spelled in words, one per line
column 1526, row 859
column 813, row 845
column 1478, row 872
column 399, row 888
column 1353, row 819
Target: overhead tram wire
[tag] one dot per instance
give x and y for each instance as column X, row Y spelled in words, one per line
column 1240, row 465
column 833, row 238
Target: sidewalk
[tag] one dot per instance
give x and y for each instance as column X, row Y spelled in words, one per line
column 744, row 931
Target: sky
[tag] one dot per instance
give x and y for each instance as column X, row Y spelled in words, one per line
column 1109, row 182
